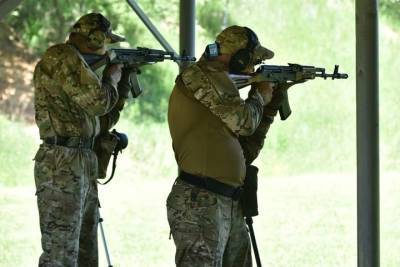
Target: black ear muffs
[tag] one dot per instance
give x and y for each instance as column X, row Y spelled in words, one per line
column 242, row 58
column 213, row 50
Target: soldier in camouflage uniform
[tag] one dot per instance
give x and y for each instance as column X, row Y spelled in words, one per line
column 215, row 135
column 72, row 105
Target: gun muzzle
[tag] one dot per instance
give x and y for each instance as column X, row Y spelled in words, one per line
column 334, row 75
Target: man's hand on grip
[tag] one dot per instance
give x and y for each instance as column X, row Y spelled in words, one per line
column 278, row 96
column 265, row 89
column 113, row 73
column 125, row 84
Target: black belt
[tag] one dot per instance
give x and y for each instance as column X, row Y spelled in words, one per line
column 211, row 185
column 73, row 142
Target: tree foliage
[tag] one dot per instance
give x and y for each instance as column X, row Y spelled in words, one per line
column 390, row 9
column 43, row 23
column 213, row 16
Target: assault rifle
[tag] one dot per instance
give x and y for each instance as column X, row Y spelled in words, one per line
column 133, row 59
column 281, row 74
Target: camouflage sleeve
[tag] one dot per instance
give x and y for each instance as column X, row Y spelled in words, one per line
column 82, row 85
column 108, row 120
column 252, row 145
column 240, row 116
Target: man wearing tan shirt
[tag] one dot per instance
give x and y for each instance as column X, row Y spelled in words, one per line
column 215, row 135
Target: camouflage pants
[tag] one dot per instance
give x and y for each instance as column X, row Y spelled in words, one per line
column 67, row 200
column 208, row 229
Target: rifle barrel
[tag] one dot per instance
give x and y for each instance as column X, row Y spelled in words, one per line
column 333, row 75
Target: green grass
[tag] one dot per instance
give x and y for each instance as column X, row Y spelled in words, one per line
column 18, row 144
column 307, row 220
column 150, row 150
column 19, row 226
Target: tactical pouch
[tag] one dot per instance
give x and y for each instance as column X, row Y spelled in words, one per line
column 104, row 147
column 249, row 195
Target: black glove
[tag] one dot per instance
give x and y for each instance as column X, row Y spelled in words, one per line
column 278, row 96
column 125, row 84
column 112, row 74
column 271, row 109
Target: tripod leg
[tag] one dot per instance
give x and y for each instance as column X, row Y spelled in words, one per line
column 104, row 240
column 249, row 222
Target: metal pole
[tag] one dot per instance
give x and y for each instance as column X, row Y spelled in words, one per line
column 367, row 97
column 103, row 237
column 135, row 7
column 249, row 222
column 187, row 22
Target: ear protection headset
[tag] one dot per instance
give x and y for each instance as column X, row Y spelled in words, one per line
column 242, row 58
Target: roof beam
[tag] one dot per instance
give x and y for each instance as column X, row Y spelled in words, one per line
column 150, row 26
column 367, row 99
column 187, row 29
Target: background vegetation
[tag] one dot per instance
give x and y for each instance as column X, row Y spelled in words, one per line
column 308, row 179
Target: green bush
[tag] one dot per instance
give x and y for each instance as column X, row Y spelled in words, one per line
column 18, row 147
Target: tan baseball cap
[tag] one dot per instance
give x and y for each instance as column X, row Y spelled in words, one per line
column 236, row 37
column 88, row 24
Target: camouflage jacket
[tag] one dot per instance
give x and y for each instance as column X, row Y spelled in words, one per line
column 69, row 97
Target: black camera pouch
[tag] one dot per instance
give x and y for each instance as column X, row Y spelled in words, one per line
column 248, row 198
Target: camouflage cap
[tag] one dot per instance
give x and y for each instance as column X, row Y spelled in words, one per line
column 90, row 23
column 236, row 37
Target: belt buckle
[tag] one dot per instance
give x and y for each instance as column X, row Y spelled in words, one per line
column 80, row 143
column 86, row 142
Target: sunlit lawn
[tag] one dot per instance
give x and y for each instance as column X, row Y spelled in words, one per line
column 307, row 220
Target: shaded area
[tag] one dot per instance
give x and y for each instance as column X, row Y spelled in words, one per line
column 7, row 5
column 16, row 68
